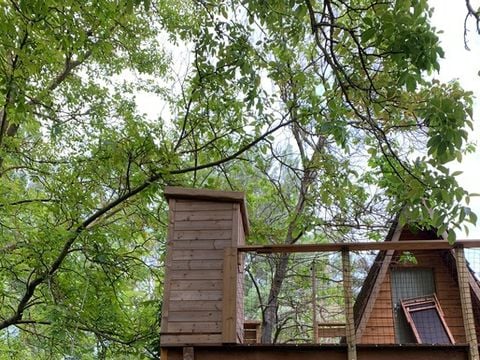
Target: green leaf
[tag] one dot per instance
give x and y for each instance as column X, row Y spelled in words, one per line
column 147, row 4
column 411, row 83
column 368, row 34
column 451, row 237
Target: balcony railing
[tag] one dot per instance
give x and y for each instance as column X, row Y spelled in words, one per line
column 356, row 293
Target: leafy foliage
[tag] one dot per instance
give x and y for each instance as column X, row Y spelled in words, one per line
column 320, row 111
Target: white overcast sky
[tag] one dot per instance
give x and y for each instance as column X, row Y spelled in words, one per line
column 465, row 66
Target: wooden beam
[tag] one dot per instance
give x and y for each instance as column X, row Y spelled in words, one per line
column 203, row 194
column 169, row 261
column 348, row 296
column 229, row 308
column 466, row 301
column 163, row 354
column 409, row 245
column 314, row 303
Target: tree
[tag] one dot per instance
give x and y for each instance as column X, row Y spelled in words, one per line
column 81, row 168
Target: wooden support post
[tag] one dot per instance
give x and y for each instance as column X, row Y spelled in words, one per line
column 163, row 354
column 188, row 353
column 229, row 310
column 314, row 303
column 347, row 291
column 466, row 301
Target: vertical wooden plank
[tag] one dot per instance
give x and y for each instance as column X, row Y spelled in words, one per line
column 258, row 329
column 163, row 354
column 240, row 295
column 188, row 353
column 466, row 301
column 229, row 309
column 347, row 291
column 314, row 303
column 238, row 238
column 235, row 224
column 168, row 280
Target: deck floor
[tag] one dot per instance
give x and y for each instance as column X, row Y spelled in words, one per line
column 315, row 352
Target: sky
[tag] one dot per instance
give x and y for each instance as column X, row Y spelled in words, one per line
column 464, row 66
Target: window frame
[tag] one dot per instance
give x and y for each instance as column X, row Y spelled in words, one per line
column 400, row 322
column 424, row 303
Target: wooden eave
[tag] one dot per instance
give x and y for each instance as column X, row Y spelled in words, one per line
column 175, row 192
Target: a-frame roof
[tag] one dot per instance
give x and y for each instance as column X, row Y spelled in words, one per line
column 371, row 286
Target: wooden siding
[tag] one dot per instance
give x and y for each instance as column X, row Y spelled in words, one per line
column 379, row 328
column 194, row 295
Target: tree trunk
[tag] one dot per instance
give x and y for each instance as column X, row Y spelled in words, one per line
column 270, row 313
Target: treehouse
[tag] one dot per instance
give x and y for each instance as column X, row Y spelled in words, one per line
column 419, row 298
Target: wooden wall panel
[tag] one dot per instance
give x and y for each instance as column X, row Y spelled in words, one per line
column 206, row 215
column 204, row 254
column 201, row 244
column 199, row 295
column 197, row 265
column 203, row 225
column 168, row 264
column 379, row 329
column 202, row 234
column 195, row 338
column 196, row 285
column 195, row 316
column 192, row 305
column 193, row 327
column 194, row 274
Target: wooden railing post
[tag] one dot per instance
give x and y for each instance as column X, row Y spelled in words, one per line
column 347, row 291
column 466, row 301
column 314, row 303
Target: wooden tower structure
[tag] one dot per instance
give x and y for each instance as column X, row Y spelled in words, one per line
column 201, row 305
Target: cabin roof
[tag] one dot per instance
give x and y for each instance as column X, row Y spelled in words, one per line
column 402, row 233
column 175, row 192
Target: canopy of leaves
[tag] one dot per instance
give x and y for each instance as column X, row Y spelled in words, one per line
column 325, row 113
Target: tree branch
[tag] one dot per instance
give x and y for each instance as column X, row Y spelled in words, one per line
column 41, row 277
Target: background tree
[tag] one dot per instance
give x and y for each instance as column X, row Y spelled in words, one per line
column 308, row 106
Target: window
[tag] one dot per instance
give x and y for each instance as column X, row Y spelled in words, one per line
column 408, row 283
column 426, row 320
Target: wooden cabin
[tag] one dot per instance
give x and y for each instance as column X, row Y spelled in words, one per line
column 422, row 304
